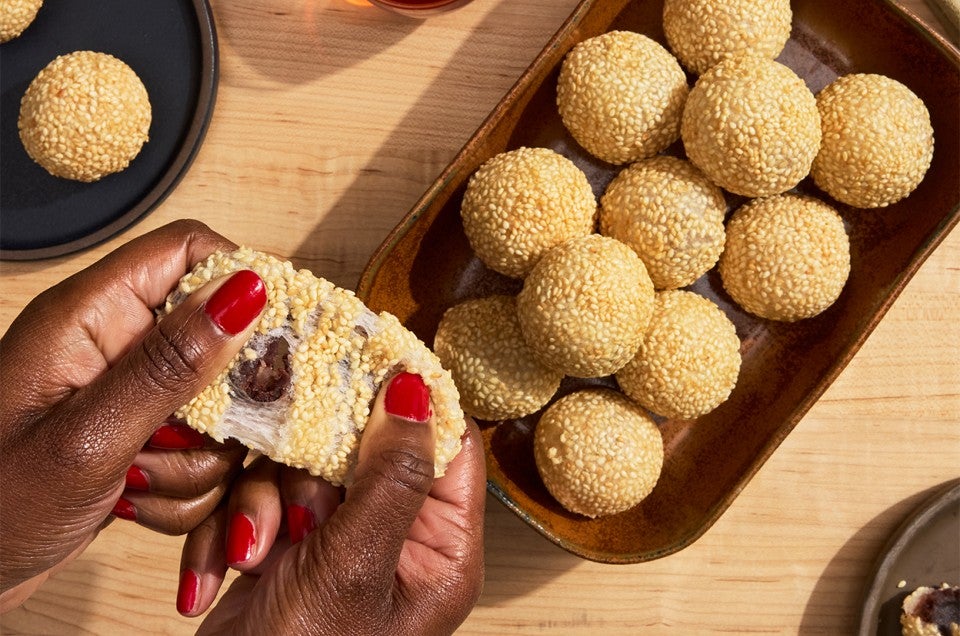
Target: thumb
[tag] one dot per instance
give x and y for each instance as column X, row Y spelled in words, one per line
column 393, row 476
column 181, row 355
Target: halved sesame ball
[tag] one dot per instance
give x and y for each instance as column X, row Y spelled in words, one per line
column 520, row 203
column 703, row 33
column 497, row 375
column 621, row 95
column 16, row 16
column 752, row 126
column 585, row 305
column 786, row 258
column 877, row 140
column 301, row 390
column 689, row 359
column 670, row 214
column 84, row 116
column 597, row 453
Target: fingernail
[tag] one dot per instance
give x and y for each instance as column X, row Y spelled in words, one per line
column 407, row 396
column 123, row 509
column 136, row 479
column 237, row 302
column 240, row 539
column 300, row 521
column 176, row 437
column 188, row 591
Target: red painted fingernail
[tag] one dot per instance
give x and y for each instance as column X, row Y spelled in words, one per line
column 176, row 437
column 300, row 521
column 188, row 591
column 237, row 302
column 136, row 479
column 241, row 538
column 407, row 396
column 123, row 509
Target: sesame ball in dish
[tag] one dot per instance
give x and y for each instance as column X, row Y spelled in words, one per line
column 702, row 33
column 688, row 361
column 495, row 371
column 786, row 257
column 597, row 452
column 877, row 140
column 301, row 390
column 752, row 126
column 670, row 214
column 16, row 16
column 931, row 611
column 520, row 203
column 84, row 116
column 584, row 307
column 621, row 95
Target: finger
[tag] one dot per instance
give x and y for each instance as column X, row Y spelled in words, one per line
column 308, row 501
column 188, row 473
column 254, row 515
column 203, row 564
column 101, row 427
column 169, row 515
column 394, row 473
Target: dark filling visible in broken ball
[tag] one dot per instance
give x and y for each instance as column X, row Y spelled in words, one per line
column 940, row 607
column 265, row 379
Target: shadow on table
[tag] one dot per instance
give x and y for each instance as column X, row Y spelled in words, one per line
column 307, row 39
column 843, row 587
column 47, row 612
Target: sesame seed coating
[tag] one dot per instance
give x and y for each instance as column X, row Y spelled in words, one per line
column 621, row 94
column 670, row 214
column 752, row 126
column 689, row 359
column 877, row 140
column 597, row 453
column 16, row 16
column 495, row 371
column 340, row 353
column 787, row 257
column 520, row 203
column 585, row 305
column 84, row 116
column 704, row 32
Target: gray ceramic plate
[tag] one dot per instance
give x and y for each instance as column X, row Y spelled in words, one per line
column 923, row 551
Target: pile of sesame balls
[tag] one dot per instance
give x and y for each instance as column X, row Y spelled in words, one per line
column 603, row 281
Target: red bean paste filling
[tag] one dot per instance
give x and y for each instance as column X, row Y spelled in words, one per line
column 940, row 607
column 267, row 378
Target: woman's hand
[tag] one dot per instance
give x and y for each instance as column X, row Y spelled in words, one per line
column 402, row 554
column 86, row 379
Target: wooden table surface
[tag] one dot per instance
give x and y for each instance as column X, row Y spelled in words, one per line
column 332, row 118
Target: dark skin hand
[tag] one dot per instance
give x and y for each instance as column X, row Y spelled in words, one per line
column 402, row 554
column 88, row 380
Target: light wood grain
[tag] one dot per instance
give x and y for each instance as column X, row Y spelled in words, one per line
column 332, row 118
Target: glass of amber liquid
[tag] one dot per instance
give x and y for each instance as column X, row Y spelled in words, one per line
column 419, row 8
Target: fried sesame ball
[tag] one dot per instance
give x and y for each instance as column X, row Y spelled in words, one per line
column 787, row 257
column 752, row 126
column 301, row 389
column 84, row 116
column 585, row 305
column 670, row 214
column 621, row 95
column 520, row 203
column 16, row 16
column 497, row 375
column 877, row 140
column 689, row 359
column 597, row 453
column 704, row 32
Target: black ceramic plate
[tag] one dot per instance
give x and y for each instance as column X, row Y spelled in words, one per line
column 924, row 551
column 172, row 46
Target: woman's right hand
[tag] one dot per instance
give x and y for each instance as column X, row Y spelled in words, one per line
column 402, row 553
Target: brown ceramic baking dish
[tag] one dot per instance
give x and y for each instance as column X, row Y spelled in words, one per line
column 425, row 266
